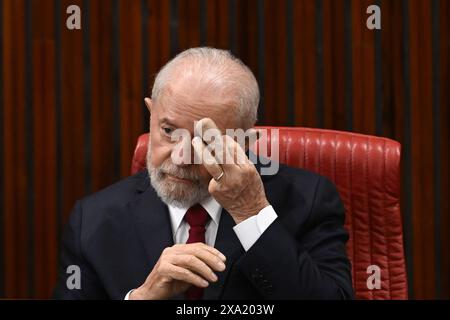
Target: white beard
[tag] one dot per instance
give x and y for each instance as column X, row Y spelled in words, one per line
column 176, row 194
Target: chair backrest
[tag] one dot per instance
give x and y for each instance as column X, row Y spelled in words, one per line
column 366, row 171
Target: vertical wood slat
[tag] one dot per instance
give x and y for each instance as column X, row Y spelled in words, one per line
column 334, row 72
column 392, row 101
column 72, row 113
column 304, row 42
column 189, row 24
column 217, row 24
column 14, row 171
column 44, row 152
column 436, row 138
column 275, row 62
column 130, row 80
column 158, row 38
column 2, row 152
column 247, row 35
column 101, row 62
column 422, row 146
column 444, row 82
column 363, row 67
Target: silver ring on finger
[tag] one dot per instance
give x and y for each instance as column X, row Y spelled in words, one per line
column 219, row 177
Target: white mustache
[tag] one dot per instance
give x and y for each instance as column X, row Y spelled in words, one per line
column 168, row 168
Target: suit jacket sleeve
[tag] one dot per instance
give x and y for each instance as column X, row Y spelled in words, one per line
column 72, row 255
column 309, row 264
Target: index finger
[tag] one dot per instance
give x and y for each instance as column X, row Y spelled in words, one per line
column 210, row 135
column 207, row 160
column 204, row 125
column 213, row 251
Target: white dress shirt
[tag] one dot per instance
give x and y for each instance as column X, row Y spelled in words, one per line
column 180, row 228
column 248, row 231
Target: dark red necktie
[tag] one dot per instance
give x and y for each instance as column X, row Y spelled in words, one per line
column 197, row 217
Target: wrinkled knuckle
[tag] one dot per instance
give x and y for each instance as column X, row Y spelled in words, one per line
column 163, row 266
column 198, row 251
column 164, row 259
column 185, row 273
column 191, row 260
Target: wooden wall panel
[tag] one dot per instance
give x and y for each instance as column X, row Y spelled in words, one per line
column 100, row 108
column 247, row 33
column 304, row 66
column 44, row 146
column 156, row 39
column 131, row 78
column 443, row 170
column 363, row 69
column 188, row 24
column 72, row 104
column 422, row 147
column 392, row 70
column 71, row 115
column 217, row 24
column 16, row 238
column 335, row 71
column 275, row 53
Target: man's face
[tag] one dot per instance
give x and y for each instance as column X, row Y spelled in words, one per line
column 183, row 184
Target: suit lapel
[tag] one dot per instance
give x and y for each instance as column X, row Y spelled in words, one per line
column 151, row 217
column 227, row 243
column 152, row 221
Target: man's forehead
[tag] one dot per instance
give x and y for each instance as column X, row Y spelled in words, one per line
column 186, row 115
column 195, row 94
column 183, row 111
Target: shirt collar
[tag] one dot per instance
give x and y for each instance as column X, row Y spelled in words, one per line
column 210, row 204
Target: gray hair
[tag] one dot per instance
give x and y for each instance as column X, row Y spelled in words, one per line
column 220, row 71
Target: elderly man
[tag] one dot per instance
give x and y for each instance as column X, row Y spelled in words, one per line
column 208, row 230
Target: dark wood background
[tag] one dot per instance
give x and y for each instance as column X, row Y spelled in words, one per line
column 72, row 104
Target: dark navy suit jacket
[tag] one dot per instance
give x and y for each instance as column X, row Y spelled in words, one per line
column 117, row 235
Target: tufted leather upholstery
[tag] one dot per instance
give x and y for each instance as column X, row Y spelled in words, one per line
column 366, row 171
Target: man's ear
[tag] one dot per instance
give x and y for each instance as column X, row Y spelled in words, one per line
column 148, row 103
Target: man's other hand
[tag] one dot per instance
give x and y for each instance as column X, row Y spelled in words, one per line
column 178, row 268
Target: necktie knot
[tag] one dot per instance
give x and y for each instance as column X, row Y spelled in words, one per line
column 196, row 216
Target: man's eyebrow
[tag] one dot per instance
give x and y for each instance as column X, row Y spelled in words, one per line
column 168, row 121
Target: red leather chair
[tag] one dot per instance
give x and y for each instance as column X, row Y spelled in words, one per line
column 366, row 171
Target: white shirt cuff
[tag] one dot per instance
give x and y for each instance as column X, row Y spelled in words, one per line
column 249, row 230
column 127, row 297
